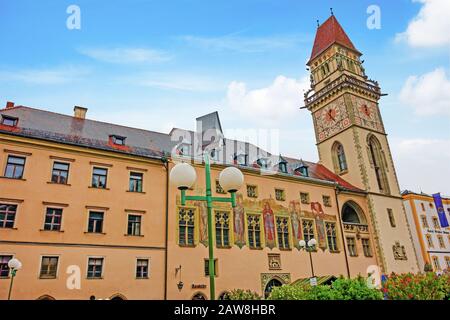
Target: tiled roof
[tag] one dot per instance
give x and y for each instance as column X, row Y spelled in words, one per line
column 328, row 33
column 50, row 126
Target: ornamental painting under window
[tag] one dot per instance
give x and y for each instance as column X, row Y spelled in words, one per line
column 269, row 209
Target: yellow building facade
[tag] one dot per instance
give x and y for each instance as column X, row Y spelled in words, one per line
column 88, row 208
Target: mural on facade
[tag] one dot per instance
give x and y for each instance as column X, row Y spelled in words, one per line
column 238, row 222
column 319, row 216
column 269, row 208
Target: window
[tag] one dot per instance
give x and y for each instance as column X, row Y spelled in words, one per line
column 60, row 172
column 424, row 221
column 351, row 245
column 95, row 224
column 366, row 247
column 118, row 140
column 391, row 217
column 304, row 197
column 222, row 223
column 53, row 217
column 308, row 229
column 186, row 226
column 283, row 232
column 282, row 166
column 437, row 265
column 326, row 201
column 49, row 267
column 441, row 241
column 134, row 225
column 378, row 163
column 95, row 268
column 339, row 159
column 254, row 231
column 331, row 236
column 423, row 206
column 252, row 191
column 14, row 167
column 436, row 223
column 207, row 268
column 99, row 177
column 136, row 181
column 4, row 269
column 219, row 188
column 280, row 195
column 447, row 261
column 7, row 215
column 9, row 121
column 241, row 159
column 142, row 268
column 430, row 241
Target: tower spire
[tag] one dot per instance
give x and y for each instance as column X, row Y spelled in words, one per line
column 331, row 11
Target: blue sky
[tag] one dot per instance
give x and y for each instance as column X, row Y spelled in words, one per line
column 159, row 64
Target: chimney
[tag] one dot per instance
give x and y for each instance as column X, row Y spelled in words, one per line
column 79, row 112
column 9, row 105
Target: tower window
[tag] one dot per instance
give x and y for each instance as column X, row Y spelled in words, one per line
column 339, row 159
column 376, row 159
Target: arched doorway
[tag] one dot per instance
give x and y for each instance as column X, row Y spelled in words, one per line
column 224, row 296
column 118, row 296
column 352, row 213
column 45, row 297
column 199, row 296
column 270, row 285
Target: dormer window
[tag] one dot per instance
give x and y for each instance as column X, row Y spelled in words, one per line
column 262, row 163
column 302, row 168
column 9, row 121
column 118, row 140
column 282, row 167
column 241, row 159
column 184, row 149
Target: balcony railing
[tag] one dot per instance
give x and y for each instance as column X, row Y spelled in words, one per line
column 356, row 227
column 344, row 80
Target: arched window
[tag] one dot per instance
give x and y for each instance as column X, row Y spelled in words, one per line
column 198, row 296
column 339, row 160
column 352, row 213
column 378, row 163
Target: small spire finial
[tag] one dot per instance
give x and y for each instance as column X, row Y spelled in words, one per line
column 331, row 10
column 318, row 23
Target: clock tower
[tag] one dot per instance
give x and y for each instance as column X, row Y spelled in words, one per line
column 352, row 141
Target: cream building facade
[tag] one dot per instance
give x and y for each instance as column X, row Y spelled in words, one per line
column 431, row 240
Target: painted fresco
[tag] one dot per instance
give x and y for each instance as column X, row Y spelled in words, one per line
column 268, row 208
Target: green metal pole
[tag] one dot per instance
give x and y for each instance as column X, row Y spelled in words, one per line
column 13, row 274
column 210, row 226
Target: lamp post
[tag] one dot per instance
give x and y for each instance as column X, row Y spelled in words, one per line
column 231, row 179
column 309, row 247
column 14, row 265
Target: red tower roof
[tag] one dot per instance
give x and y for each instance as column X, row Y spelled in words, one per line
column 328, row 33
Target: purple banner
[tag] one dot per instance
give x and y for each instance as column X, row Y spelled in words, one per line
column 440, row 210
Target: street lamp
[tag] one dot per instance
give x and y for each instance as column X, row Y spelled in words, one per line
column 310, row 247
column 14, row 265
column 231, row 179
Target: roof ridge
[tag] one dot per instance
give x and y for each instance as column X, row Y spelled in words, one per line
column 92, row 120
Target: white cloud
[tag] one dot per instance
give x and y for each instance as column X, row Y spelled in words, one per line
column 245, row 44
column 175, row 81
column 280, row 100
column 430, row 28
column 423, row 164
column 52, row 76
column 428, row 94
column 126, row 55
